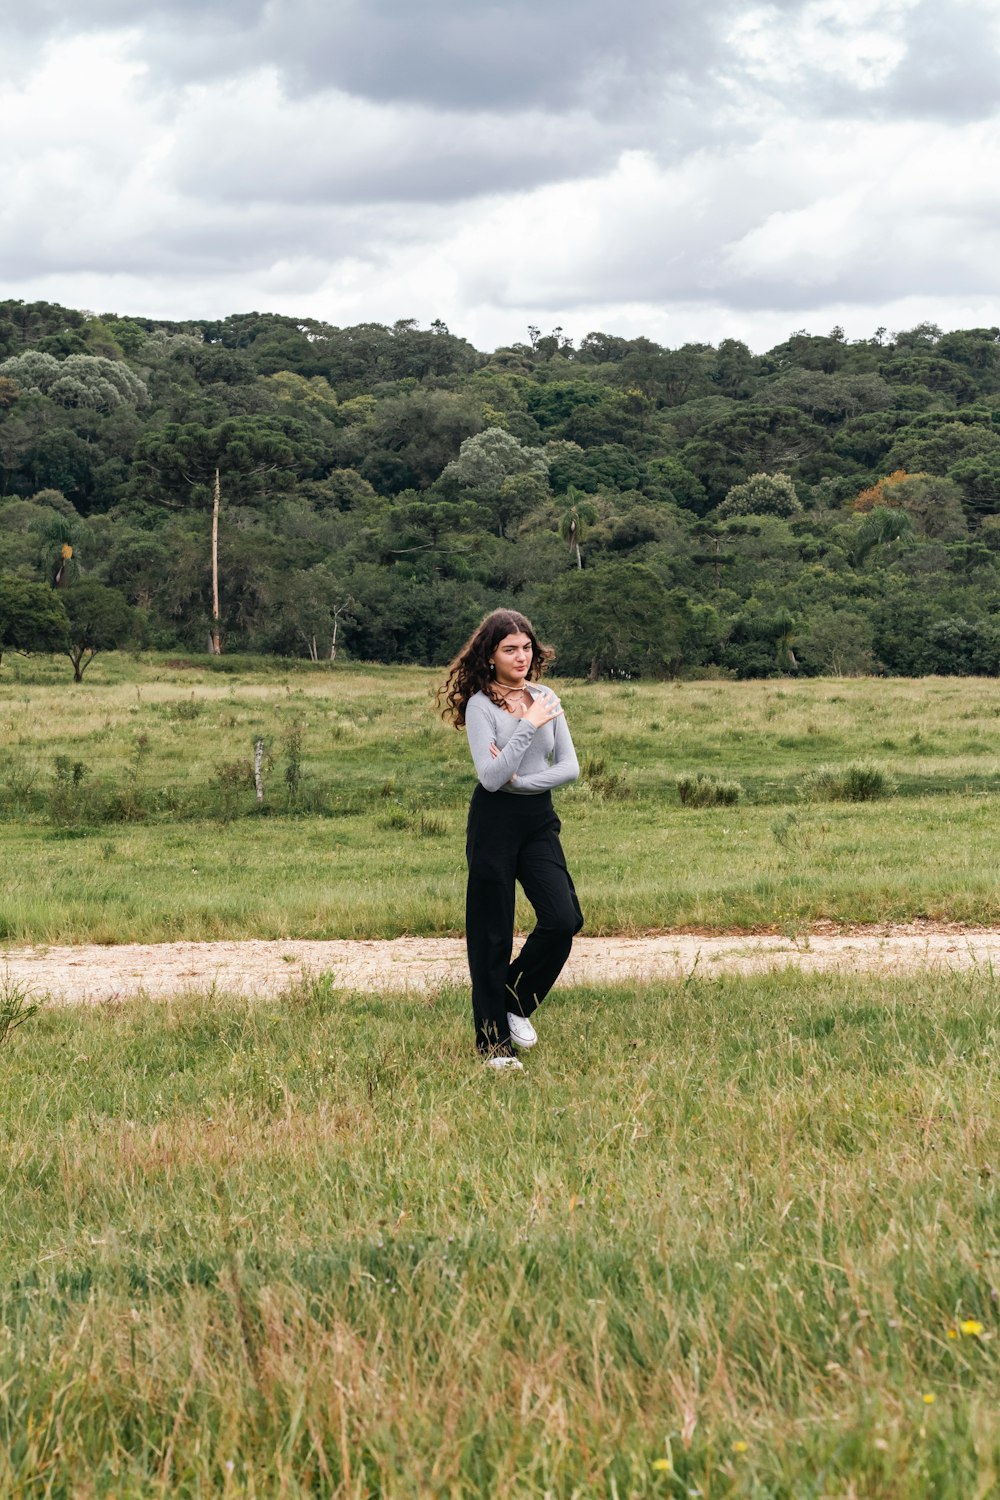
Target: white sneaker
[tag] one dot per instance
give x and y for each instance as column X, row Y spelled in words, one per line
column 503, row 1064
column 522, row 1033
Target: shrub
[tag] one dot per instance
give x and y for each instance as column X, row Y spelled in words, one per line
column 187, row 708
column 231, row 781
column 66, row 797
column 610, row 786
column 706, row 791
column 862, row 781
column 17, row 787
column 293, row 764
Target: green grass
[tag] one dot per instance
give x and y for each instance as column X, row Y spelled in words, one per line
column 308, row 1247
column 159, row 835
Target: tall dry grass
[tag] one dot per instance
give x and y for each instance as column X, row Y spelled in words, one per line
column 746, row 1228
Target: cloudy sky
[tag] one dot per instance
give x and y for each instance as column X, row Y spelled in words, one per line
column 686, row 169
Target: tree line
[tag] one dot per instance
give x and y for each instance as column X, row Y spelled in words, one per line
column 270, row 484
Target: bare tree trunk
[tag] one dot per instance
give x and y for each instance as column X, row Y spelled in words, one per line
column 258, row 761
column 338, row 610
column 216, row 634
column 579, row 559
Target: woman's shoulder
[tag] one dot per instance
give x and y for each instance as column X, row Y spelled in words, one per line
column 480, row 702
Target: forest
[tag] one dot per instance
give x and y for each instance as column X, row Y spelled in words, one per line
column 830, row 506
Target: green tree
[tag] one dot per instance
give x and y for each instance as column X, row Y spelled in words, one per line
column 32, row 617
column 667, row 479
column 315, row 607
column 491, row 468
column 734, row 369
column 555, row 402
column 100, row 619
column 86, row 380
column 761, row 495
column 609, row 466
column 618, row 619
column 881, row 527
column 932, row 446
column 979, row 480
column 183, row 465
column 838, row 642
column 939, row 376
column 957, row 647
column 761, row 642
column 668, row 376
column 412, row 437
column 140, row 563
column 934, row 505
column 750, row 440
column 426, row 527
column 830, row 399
column 574, row 520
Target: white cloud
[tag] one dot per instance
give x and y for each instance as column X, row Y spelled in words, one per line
column 856, row 44
column 779, row 174
column 336, row 149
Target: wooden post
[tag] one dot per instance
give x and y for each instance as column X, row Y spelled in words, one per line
column 216, row 635
column 258, row 761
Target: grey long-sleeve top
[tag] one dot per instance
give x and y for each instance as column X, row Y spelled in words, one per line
column 539, row 758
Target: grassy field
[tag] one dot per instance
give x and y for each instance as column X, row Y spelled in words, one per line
column 731, row 1238
column 127, row 813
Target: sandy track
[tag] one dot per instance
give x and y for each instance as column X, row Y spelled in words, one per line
column 94, row 974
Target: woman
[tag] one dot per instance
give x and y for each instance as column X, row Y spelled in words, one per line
column 521, row 749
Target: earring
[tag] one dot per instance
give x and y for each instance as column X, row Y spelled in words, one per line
column 493, row 666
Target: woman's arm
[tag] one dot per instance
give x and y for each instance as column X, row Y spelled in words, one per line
column 494, row 772
column 564, row 766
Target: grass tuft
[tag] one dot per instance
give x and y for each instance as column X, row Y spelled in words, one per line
column 604, row 782
column 863, row 781
column 17, row 1005
column 707, row 791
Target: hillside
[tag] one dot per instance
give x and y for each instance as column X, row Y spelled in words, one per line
column 828, row 506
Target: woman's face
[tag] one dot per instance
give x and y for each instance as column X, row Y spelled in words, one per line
column 512, row 659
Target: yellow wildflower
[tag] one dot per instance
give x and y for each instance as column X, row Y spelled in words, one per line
column 663, row 1465
column 953, row 1333
column 971, row 1326
column 930, row 1398
column 740, row 1447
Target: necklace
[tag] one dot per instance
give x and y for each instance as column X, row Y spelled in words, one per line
column 505, row 693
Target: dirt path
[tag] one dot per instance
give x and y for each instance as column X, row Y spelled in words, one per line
column 92, row 974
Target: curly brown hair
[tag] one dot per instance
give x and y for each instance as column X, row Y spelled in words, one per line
column 471, row 671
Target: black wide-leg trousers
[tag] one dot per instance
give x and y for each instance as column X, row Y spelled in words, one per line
column 514, row 838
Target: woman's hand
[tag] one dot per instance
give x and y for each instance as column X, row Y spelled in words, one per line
column 544, row 708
